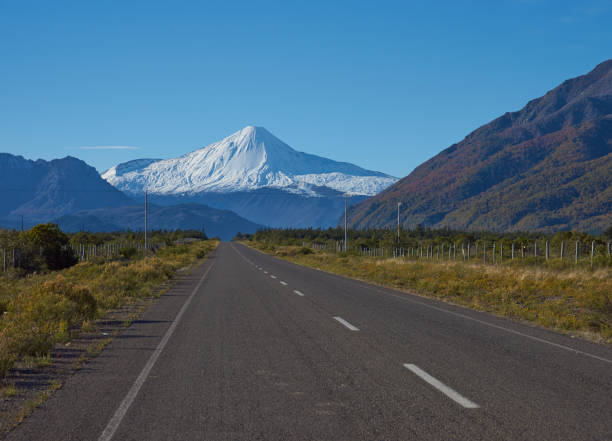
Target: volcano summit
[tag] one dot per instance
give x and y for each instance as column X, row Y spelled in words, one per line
column 255, row 174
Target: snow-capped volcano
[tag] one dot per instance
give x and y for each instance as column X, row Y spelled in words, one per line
column 250, row 159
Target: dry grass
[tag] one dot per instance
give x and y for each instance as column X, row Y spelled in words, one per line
column 8, row 391
column 42, row 310
column 570, row 300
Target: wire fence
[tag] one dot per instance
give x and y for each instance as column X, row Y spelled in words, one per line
column 13, row 257
column 577, row 252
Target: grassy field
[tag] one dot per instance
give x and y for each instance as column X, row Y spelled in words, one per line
column 39, row 311
column 574, row 300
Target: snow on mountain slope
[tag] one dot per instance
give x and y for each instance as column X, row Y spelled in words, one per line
column 249, row 159
column 130, row 166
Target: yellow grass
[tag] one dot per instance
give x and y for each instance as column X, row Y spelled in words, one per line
column 572, row 300
column 41, row 310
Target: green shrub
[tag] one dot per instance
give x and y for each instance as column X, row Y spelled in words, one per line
column 53, row 245
column 128, row 253
column 36, row 320
column 7, row 355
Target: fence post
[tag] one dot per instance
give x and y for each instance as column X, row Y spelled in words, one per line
column 592, row 252
column 562, row 249
column 535, row 249
column 484, row 251
column 547, row 250
column 468, row 250
column 512, row 250
column 576, row 257
column 494, row 245
column 501, row 253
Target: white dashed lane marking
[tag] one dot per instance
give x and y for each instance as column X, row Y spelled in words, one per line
column 347, row 324
column 450, row 393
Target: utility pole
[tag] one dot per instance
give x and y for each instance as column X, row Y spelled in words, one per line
column 398, row 223
column 345, row 209
column 146, row 222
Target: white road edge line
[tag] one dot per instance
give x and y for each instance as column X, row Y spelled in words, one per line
column 265, row 272
column 298, row 293
column 283, row 283
column 115, row 421
column 409, row 297
column 273, row 276
column 492, row 325
column 450, row 393
column 347, row 324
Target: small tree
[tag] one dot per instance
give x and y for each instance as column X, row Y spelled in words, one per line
column 53, row 244
column 608, row 232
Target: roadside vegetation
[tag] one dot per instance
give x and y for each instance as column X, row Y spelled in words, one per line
column 554, row 293
column 53, row 291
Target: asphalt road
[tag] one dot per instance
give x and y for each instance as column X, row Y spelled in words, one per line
column 250, row 347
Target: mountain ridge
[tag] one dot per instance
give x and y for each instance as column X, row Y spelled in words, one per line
column 249, row 159
column 217, row 223
column 256, row 175
column 42, row 189
column 564, row 136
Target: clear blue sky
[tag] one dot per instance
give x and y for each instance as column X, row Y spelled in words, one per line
column 385, row 85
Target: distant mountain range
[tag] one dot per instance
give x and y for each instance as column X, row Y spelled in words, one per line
column 217, row 223
column 255, row 174
column 41, row 190
column 546, row 167
column 71, row 193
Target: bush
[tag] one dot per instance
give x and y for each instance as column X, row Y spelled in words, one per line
column 83, row 305
column 53, row 246
column 7, row 355
column 36, row 320
column 128, row 253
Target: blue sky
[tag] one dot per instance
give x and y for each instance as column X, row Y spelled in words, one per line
column 385, row 85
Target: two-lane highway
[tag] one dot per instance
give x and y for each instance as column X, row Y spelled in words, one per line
column 252, row 347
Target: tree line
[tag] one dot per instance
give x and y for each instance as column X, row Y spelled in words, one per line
column 45, row 247
column 388, row 238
